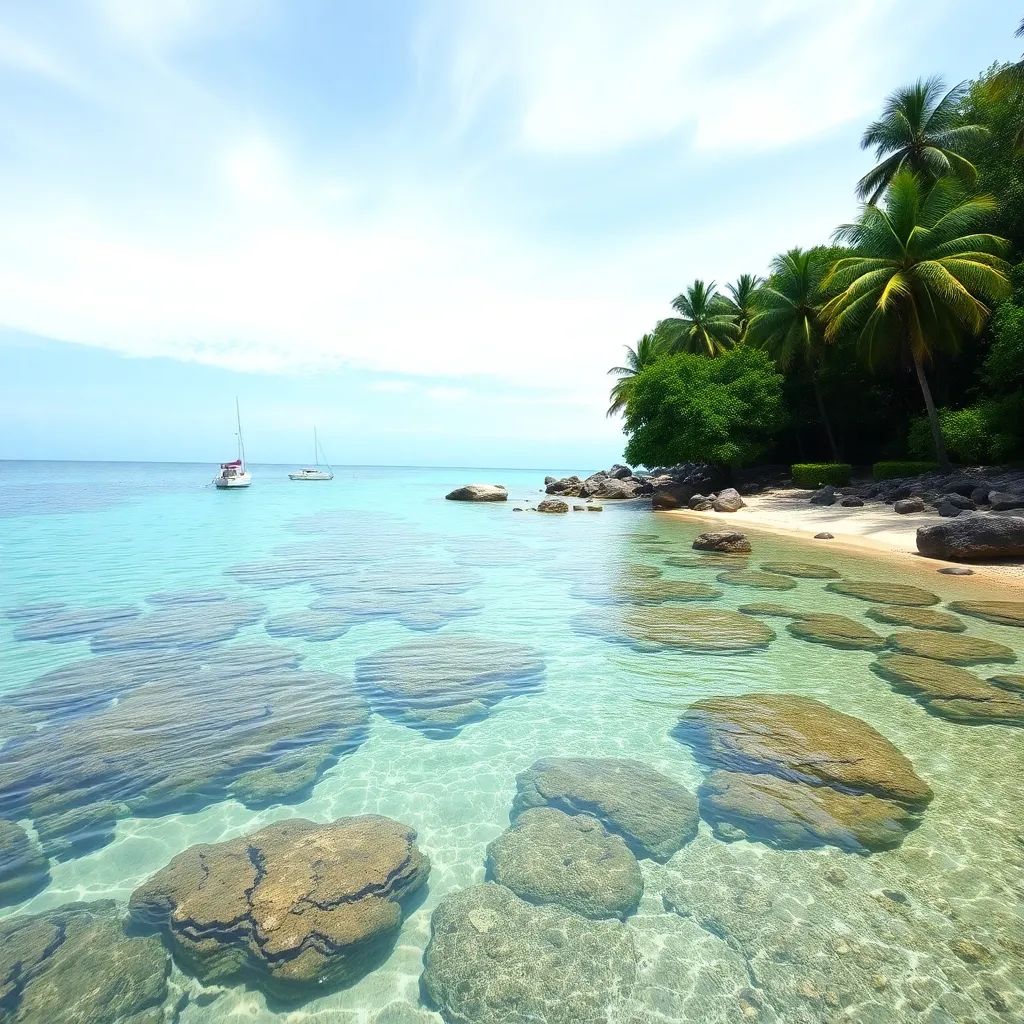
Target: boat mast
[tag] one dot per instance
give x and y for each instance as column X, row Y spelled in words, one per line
column 241, row 443
column 316, row 446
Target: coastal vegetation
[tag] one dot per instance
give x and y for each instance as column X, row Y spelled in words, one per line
column 900, row 338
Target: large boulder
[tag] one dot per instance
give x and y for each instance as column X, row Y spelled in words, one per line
column 728, row 500
column 908, row 506
column 671, row 494
column 553, row 506
column 973, row 536
column 826, row 495
column 590, row 486
column 619, row 472
column 655, row 815
column 24, row 868
column 76, row 965
column 548, row 856
column 722, row 540
column 439, row 685
column 478, row 492
column 293, row 907
column 617, row 488
column 493, row 958
column 789, row 771
column 1001, row 501
column 568, row 486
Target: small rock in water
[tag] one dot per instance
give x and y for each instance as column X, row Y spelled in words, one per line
column 956, row 570
column 906, row 506
column 722, row 540
column 478, row 492
column 553, row 505
column 824, row 536
column 595, row 508
column 579, row 508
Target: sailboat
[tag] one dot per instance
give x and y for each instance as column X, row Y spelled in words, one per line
column 234, row 474
column 317, row 473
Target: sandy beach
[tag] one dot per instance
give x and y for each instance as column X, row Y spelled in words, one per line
column 873, row 528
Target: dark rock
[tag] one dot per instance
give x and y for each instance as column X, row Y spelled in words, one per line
column 595, row 508
column 958, row 501
column 907, row 506
column 620, row 489
column 478, row 492
column 570, row 487
column 591, row 485
column 948, row 511
column 579, row 508
column 824, row 536
column 654, row 815
column 76, row 965
column 973, row 536
column 704, row 506
column 852, row 501
column 620, row 472
column 699, row 499
column 553, row 505
column 671, row 495
column 548, row 480
column 496, row 959
column 722, row 540
column 728, row 500
column 549, row 856
column 956, row 570
column 1003, row 502
column 901, row 492
column 824, row 496
column 291, row 906
column 980, row 495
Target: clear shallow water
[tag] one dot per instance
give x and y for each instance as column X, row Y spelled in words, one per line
column 725, row 931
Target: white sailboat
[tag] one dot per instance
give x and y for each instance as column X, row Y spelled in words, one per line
column 234, row 474
column 317, row 473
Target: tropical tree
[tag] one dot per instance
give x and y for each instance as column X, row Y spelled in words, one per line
column 1009, row 82
column 740, row 299
column 648, row 349
column 920, row 130
column 787, row 319
column 922, row 275
column 706, row 324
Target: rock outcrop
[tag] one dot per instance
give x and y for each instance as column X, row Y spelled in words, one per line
column 677, row 628
column 884, row 593
column 76, row 965
column 548, row 856
column 957, row 650
column 918, row 618
column 837, row 631
column 478, row 492
column 294, row 907
column 971, row 537
column 654, row 815
column 493, row 958
column 722, row 540
column 838, row 759
column 441, row 684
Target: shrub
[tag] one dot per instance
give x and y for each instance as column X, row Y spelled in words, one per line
column 689, row 408
column 989, row 432
column 894, row 470
column 811, row 475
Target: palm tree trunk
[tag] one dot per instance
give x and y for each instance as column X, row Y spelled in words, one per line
column 824, row 416
column 933, row 416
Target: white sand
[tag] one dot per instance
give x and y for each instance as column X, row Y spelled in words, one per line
column 872, row 528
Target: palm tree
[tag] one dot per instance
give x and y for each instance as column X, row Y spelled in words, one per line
column 706, row 325
column 1009, row 80
column 648, row 350
column 787, row 318
column 922, row 275
column 919, row 131
column 740, row 296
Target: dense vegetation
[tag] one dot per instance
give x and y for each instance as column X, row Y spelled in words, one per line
column 902, row 339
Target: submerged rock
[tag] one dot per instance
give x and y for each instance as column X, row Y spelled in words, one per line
column 678, row 628
column 800, row 739
column 919, row 618
column 708, row 560
column 769, row 609
column 75, row 965
column 315, row 626
column 957, row 650
column 441, row 684
column 641, row 591
column 496, row 959
column 722, row 540
column 836, row 631
column 791, row 815
column 478, row 492
column 548, row 856
column 59, row 624
column 24, row 868
column 655, row 815
column 803, row 570
column 884, row 593
column 1005, row 613
column 292, row 907
column 759, row 580
column 951, row 692
column 126, row 745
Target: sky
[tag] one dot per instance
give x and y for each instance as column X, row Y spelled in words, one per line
column 427, row 227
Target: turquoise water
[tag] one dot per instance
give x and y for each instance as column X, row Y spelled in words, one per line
column 725, row 930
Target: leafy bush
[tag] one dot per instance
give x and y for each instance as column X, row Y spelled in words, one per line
column 987, row 433
column 811, row 475
column 894, row 470
column 689, row 408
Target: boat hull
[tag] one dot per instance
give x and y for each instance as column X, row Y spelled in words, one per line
column 311, row 476
column 232, row 483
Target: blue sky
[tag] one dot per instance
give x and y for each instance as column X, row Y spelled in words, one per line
column 428, row 226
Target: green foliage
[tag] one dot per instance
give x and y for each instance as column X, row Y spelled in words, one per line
column 982, row 434
column 1003, row 370
column 648, row 349
column 922, row 132
column 895, row 470
column 811, row 475
column 687, row 407
column 706, row 323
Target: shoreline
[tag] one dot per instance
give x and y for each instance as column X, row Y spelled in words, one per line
column 873, row 529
